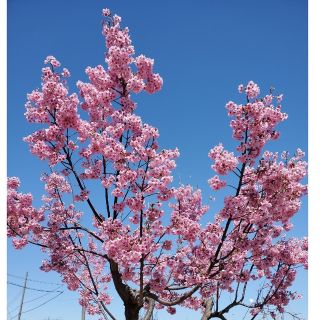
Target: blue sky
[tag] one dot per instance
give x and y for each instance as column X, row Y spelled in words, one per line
column 202, row 49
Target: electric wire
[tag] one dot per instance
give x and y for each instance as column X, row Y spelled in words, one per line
column 19, row 277
column 34, row 289
column 14, row 298
column 37, row 298
column 40, row 305
column 43, row 295
column 47, row 292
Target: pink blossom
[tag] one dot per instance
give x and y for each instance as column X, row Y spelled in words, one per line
column 53, row 61
column 106, row 12
column 13, row 183
column 65, row 73
column 216, row 184
column 224, row 161
column 252, row 90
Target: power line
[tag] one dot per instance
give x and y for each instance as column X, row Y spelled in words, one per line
column 14, row 299
column 25, row 287
column 43, row 295
column 28, row 288
column 42, row 304
column 37, row 298
column 19, row 277
column 10, row 315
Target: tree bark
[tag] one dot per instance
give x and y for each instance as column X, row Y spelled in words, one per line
column 131, row 311
column 208, row 308
column 149, row 313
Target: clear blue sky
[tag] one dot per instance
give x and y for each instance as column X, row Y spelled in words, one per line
column 202, row 49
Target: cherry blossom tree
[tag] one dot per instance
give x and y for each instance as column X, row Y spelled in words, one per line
column 110, row 215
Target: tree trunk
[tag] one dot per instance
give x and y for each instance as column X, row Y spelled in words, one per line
column 149, row 313
column 208, row 308
column 131, row 311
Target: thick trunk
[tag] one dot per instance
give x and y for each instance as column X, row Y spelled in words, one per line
column 131, row 311
column 126, row 294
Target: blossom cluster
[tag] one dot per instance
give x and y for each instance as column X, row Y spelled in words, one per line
column 22, row 217
column 254, row 122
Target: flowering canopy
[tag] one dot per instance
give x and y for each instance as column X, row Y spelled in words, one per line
column 95, row 141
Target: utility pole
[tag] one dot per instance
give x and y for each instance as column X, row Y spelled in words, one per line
column 83, row 313
column 22, row 299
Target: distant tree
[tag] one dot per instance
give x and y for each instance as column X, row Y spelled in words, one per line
column 104, row 156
